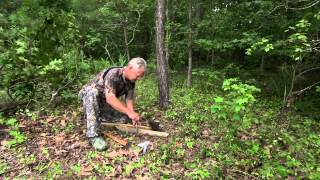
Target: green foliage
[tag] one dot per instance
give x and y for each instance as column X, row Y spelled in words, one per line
column 135, row 165
column 211, row 76
column 38, row 45
column 236, row 102
column 198, row 173
column 298, row 42
column 231, row 71
column 3, row 166
column 55, row 170
column 262, row 45
column 51, row 48
column 18, row 137
column 76, row 168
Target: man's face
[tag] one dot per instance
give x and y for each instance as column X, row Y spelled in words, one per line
column 134, row 74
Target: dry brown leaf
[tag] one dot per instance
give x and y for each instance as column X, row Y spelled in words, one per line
column 43, row 134
column 86, row 171
column 77, row 145
column 205, row 133
column 179, row 144
column 59, row 138
column 50, row 118
column 22, row 126
column 42, row 142
column 81, row 144
column 74, row 115
column 3, row 143
column 61, row 152
column 121, row 152
column 63, row 122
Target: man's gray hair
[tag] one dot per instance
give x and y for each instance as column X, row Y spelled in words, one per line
column 138, row 63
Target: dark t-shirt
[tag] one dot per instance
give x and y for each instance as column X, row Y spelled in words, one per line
column 111, row 80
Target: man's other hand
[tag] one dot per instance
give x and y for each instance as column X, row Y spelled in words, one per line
column 134, row 117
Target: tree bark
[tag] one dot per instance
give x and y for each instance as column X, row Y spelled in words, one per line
column 189, row 82
column 212, row 57
column 162, row 66
column 167, row 34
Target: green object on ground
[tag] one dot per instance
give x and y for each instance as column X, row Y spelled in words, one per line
column 98, row 143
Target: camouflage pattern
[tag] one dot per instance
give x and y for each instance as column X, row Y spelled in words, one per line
column 94, row 102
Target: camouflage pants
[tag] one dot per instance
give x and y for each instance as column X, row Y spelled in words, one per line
column 96, row 110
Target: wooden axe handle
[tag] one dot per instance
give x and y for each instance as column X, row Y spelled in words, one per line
column 142, row 131
column 124, row 125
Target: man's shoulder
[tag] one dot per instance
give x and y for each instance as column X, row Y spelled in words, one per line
column 114, row 69
column 112, row 72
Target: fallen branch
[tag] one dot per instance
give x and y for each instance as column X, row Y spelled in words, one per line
column 303, row 90
column 4, row 130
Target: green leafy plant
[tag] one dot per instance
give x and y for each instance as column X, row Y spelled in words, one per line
column 198, row 173
column 234, row 108
column 55, row 170
column 180, row 153
column 3, row 166
column 32, row 115
column 138, row 164
column 76, row 168
column 236, row 102
column 18, row 137
column 262, row 45
column 189, row 143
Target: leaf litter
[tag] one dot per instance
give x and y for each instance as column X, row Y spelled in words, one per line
column 55, row 149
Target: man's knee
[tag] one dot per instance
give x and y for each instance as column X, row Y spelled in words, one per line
column 93, row 92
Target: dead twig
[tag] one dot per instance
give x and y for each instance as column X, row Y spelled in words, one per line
column 135, row 27
column 308, row 70
column 307, row 6
column 11, row 170
column 304, row 89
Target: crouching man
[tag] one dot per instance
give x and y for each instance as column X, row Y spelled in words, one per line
column 100, row 99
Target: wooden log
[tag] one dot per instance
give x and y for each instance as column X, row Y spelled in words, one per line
column 124, row 125
column 142, row 131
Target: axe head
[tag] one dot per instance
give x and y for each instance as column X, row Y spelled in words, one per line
column 155, row 125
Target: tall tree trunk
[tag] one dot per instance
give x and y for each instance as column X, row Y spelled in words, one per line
column 162, row 66
column 212, row 57
column 125, row 34
column 167, row 34
column 189, row 82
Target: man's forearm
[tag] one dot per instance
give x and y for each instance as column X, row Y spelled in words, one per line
column 130, row 104
column 116, row 104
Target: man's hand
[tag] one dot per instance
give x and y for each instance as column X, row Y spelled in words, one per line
column 134, row 117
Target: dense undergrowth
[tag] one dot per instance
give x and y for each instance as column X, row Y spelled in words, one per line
column 221, row 127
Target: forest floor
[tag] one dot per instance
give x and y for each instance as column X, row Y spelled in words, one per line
column 200, row 145
column 56, row 146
